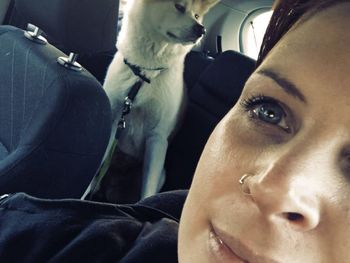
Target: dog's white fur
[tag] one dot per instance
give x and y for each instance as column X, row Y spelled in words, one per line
column 154, row 34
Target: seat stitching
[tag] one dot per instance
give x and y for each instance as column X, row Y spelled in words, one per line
column 12, row 95
column 25, row 83
column 44, row 79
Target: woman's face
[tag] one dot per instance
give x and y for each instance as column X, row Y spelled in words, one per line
column 290, row 132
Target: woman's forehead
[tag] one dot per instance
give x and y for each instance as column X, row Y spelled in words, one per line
column 316, row 54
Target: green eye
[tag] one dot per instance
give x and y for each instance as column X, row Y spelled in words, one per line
column 180, row 8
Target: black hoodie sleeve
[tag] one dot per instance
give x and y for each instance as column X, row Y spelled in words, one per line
column 39, row 230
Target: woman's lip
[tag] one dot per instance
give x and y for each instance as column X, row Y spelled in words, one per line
column 235, row 247
column 221, row 250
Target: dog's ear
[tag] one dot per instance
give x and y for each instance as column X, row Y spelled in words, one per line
column 207, row 4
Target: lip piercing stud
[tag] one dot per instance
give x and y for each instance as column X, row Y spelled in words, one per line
column 245, row 189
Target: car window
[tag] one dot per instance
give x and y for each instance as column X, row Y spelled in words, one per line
column 253, row 30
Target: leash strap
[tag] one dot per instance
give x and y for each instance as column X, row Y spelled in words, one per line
column 105, row 165
column 128, row 101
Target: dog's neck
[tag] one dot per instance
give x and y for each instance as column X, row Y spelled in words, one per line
column 138, row 48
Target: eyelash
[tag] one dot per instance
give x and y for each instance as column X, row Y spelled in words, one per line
column 251, row 104
column 254, row 100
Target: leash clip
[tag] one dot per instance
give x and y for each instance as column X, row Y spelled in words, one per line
column 122, row 123
column 127, row 105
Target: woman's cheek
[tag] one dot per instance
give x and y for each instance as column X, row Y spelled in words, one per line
column 230, row 152
column 241, row 139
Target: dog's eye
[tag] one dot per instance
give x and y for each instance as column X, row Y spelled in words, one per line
column 196, row 16
column 180, row 8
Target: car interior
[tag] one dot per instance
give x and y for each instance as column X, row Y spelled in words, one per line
column 55, row 118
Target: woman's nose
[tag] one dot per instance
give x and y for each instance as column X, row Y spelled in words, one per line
column 283, row 198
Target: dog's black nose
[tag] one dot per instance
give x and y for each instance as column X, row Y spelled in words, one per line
column 199, row 30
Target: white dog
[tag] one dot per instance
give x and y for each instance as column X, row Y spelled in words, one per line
column 152, row 44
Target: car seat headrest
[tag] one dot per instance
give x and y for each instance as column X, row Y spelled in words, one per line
column 80, row 26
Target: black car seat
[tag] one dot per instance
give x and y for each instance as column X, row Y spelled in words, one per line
column 195, row 63
column 54, row 122
column 85, row 27
column 217, row 89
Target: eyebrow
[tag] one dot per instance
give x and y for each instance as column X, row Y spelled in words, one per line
column 288, row 86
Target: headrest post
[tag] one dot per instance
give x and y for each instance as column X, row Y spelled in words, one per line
column 72, row 58
column 36, row 31
column 33, row 33
column 70, row 62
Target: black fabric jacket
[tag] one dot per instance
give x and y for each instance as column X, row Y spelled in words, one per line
column 41, row 230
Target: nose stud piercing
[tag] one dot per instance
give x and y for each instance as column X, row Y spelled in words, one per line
column 245, row 189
